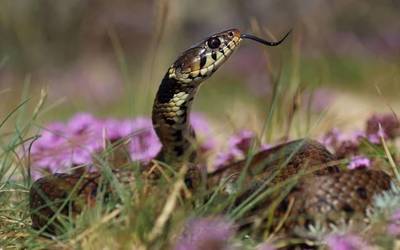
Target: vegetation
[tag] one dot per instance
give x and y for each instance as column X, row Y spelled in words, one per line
column 326, row 83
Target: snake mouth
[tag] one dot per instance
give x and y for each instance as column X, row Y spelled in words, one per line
column 262, row 41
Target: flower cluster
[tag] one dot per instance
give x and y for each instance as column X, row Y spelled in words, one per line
column 343, row 145
column 76, row 142
column 238, row 147
column 359, row 162
column 378, row 127
column 63, row 145
column 382, row 125
column 346, row 242
column 394, row 224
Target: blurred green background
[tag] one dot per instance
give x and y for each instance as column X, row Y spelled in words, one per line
column 107, row 57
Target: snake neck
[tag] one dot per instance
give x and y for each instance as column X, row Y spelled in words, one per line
column 170, row 116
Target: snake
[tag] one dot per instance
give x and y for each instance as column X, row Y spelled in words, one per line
column 324, row 192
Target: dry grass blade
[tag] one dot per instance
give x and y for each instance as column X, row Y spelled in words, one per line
column 93, row 228
column 39, row 106
column 284, row 217
column 389, row 155
column 169, row 205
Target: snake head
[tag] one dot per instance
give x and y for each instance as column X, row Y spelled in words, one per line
column 204, row 58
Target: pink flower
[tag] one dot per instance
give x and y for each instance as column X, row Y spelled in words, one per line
column 382, row 125
column 238, row 145
column 203, row 132
column 206, row 233
column 224, row 158
column 242, row 140
column 394, row 224
column 342, row 144
column 64, row 145
column 144, row 144
column 346, row 242
column 83, row 122
column 359, row 162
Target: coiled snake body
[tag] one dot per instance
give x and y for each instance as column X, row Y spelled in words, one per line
column 325, row 194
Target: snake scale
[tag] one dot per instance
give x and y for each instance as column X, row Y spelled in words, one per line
column 325, row 193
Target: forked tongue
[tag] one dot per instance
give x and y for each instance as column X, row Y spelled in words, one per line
column 265, row 42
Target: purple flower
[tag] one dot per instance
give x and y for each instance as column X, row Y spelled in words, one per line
column 203, row 132
column 343, row 145
column 394, row 224
column 82, row 122
column 144, row 144
column 206, row 233
column 64, row 145
column 375, row 138
column 242, row 140
column 223, row 159
column 346, row 242
column 359, row 162
column 332, row 138
column 347, row 148
column 382, row 125
column 238, row 145
column 115, row 129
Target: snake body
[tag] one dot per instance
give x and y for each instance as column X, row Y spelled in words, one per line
column 324, row 193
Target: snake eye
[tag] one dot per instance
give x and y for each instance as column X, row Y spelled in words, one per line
column 213, row 43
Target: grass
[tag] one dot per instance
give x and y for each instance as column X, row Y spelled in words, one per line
column 133, row 218
column 127, row 219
